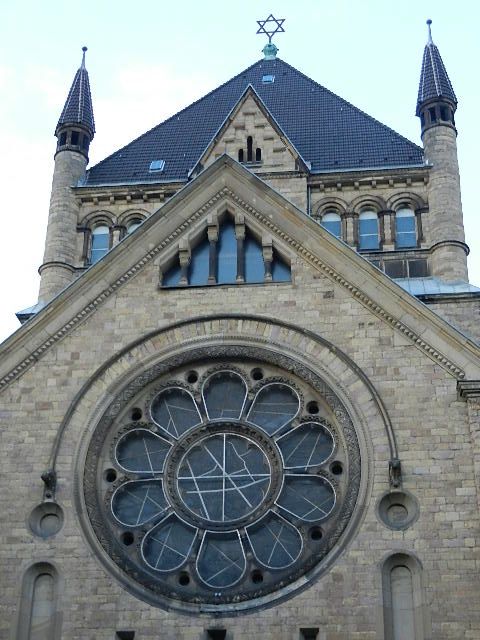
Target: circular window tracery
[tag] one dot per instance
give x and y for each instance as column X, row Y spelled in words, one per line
column 227, row 490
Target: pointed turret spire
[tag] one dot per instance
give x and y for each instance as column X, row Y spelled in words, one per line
column 434, row 80
column 78, row 110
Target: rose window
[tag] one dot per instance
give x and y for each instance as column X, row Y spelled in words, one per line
column 218, row 485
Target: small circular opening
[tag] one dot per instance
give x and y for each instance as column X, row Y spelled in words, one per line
column 50, row 524
column 316, row 533
column 110, row 475
column 257, row 576
column 46, row 519
column 257, row 374
column 127, row 538
column 192, row 377
column 397, row 513
column 136, row 413
column 312, row 407
column 184, row 579
column 336, row 468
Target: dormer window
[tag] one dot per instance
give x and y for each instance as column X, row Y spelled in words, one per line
column 156, row 166
column 268, row 79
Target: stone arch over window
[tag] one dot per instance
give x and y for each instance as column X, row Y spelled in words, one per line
column 404, row 614
column 227, row 251
column 38, row 617
column 97, row 228
column 266, row 349
column 408, row 200
column 368, row 230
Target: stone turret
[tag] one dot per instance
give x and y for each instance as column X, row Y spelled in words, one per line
column 436, row 106
column 74, row 132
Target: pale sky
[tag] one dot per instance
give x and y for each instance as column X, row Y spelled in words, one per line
column 149, row 59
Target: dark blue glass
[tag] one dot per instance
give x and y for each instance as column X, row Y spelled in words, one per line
column 254, row 266
column 227, row 254
column 405, row 231
column 100, row 244
column 198, row 272
column 368, row 232
column 334, row 226
column 280, row 270
column 172, row 277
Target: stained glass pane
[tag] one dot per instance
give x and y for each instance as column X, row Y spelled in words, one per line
column 199, row 264
column 274, row 407
column 227, row 254
column 309, row 498
column 223, row 477
column 254, row 265
column 221, row 562
column 224, row 395
column 167, row 546
column 275, row 542
column 175, row 411
column 137, row 502
column 280, row 270
column 141, row 451
column 308, row 445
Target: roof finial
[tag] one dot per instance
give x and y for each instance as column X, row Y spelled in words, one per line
column 266, row 27
column 429, row 23
column 84, row 49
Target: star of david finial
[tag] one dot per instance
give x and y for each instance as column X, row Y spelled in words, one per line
column 267, row 26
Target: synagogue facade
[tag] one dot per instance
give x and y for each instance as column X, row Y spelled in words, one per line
column 247, row 401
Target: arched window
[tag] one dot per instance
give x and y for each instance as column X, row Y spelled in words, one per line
column 258, row 155
column 38, row 619
column 240, row 155
column 331, row 222
column 133, row 224
column 368, row 230
column 403, row 611
column 405, row 229
column 100, row 242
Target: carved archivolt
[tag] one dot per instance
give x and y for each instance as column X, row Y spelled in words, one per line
column 104, row 403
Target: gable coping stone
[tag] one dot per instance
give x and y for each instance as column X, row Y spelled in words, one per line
column 431, row 352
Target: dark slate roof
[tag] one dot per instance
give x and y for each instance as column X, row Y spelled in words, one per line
column 327, row 131
column 434, row 80
column 78, row 107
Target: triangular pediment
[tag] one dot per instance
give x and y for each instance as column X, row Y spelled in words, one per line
column 251, row 135
column 227, row 188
